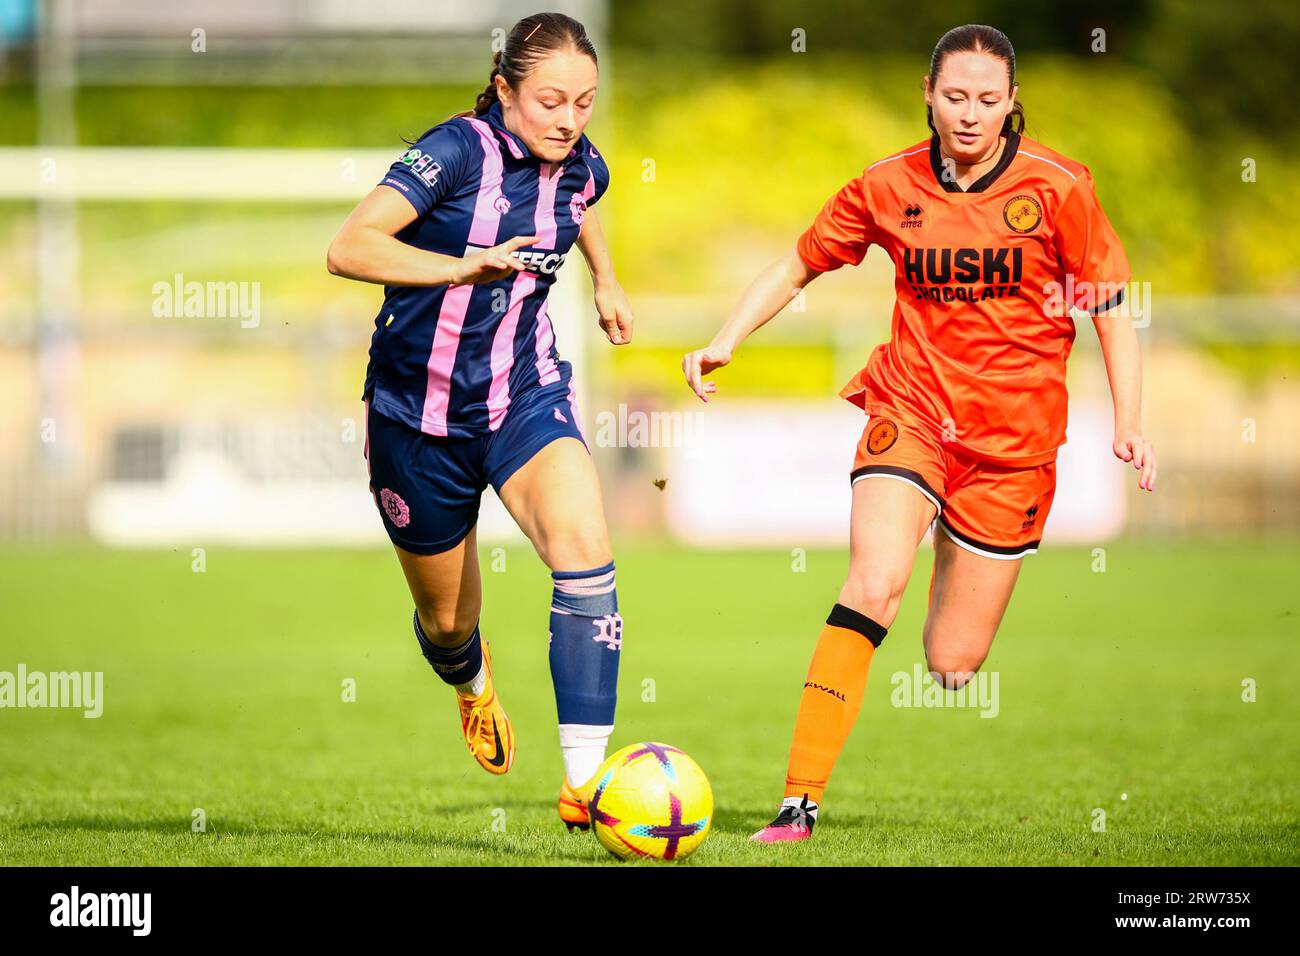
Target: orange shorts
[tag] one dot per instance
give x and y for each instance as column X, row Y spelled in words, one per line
column 994, row 510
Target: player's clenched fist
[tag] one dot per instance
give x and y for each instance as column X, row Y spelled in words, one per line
column 697, row 364
column 492, row 264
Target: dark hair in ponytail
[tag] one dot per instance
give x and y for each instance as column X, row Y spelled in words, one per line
column 977, row 38
column 530, row 41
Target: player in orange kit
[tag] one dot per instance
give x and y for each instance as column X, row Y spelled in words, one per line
column 995, row 240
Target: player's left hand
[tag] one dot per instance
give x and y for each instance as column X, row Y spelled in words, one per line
column 615, row 312
column 1130, row 446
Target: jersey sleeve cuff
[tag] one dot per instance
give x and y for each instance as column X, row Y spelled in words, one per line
column 1109, row 304
column 1112, row 300
column 812, row 254
column 408, row 190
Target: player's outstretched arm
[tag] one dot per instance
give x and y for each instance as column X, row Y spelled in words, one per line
column 612, row 305
column 1123, row 356
column 766, row 296
column 366, row 248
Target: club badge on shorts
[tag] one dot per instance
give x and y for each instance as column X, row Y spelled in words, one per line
column 882, row 436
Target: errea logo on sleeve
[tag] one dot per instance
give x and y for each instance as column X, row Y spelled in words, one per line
column 422, row 165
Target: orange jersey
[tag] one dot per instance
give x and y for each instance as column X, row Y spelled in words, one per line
column 986, row 279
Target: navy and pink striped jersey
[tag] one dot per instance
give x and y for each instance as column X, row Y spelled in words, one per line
column 448, row 360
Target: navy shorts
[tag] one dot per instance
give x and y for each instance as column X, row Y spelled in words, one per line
column 428, row 487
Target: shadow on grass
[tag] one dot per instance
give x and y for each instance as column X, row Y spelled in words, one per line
column 749, row 820
column 464, row 842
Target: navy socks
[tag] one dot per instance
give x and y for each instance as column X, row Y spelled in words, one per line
column 586, row 636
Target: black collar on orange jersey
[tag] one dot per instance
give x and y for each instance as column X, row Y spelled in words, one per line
column 985, row 181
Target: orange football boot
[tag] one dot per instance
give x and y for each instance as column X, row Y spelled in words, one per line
column 488, row 734
column 573, row 806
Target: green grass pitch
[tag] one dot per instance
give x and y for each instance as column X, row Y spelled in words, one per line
column 223, row 692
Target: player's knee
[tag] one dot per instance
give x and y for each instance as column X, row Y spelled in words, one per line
column 876, row 595
column 578, row 546
column 952, row 671
column 447, row 626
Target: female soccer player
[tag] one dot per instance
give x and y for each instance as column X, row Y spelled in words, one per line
column 465, row 387
column 995, row 239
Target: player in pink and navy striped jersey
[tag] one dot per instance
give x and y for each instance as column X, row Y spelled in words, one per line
column 465, row 386
column 473, row 184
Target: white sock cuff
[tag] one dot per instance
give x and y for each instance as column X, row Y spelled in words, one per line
column 584, row 735
column 797, row 803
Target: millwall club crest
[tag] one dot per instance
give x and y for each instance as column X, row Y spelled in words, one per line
column 577, row 208
column 881, row 437
column 1022, row 214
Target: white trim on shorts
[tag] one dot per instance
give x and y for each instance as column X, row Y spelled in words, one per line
column 880, row 474
column 1029, row 549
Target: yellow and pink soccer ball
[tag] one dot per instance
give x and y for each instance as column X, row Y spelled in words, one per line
column 651, row 800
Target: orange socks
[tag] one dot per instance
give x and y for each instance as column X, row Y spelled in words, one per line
column 832, row 697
